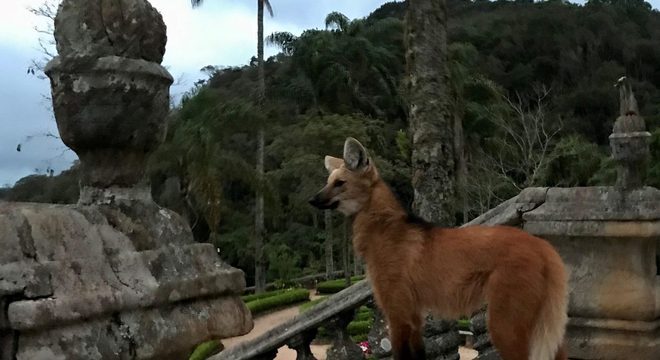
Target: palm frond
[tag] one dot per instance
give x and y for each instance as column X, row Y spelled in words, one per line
column 336, row 20
column 269, row 8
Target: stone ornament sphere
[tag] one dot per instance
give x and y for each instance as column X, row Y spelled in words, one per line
column 98, row 28
column 111, row 111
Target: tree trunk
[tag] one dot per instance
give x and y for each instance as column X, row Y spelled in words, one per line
column 461, row 163
column 259, row 230
column 345, row 244
column 329, row 237
column 431, row 123
column 432, row 128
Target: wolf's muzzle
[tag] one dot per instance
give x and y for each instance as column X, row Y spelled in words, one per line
column 323, row 204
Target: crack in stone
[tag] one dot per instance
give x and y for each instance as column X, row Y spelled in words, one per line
column 124, row 331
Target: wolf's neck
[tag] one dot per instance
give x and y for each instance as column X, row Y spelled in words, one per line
column 381, row 212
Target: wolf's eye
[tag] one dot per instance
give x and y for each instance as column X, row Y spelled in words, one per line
column 339, row 183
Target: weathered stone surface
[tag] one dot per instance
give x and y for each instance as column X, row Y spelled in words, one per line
column 116, row 276
column 166, row 332
column 482, row 343
column 613, row 339
column 378, row 337
column 598, row 203
column 127, row 98
column 441, row 339
column 608, row 239
column 510, row 212
column 85, row 274
column 96, row 28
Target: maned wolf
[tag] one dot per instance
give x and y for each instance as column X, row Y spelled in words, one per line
column 417, row 268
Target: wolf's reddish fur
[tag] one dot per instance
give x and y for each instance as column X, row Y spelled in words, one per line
column 415, row 268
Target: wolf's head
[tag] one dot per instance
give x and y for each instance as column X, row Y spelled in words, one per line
column 349, row 184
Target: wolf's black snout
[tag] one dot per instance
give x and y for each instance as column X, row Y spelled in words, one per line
column 315, row 201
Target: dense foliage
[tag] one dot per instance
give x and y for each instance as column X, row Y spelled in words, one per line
column 532, row 86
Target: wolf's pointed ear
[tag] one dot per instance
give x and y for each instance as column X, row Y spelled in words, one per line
column 355, row 155
column 333, row 163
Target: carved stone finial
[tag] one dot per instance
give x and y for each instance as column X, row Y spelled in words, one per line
column 110, row 93
column 97, row 28
column 627, row 101
column 629, row 140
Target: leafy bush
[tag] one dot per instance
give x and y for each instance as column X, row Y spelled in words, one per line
column 335, row 286
column 286, row 298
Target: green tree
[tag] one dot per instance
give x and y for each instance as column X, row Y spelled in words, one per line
column 259, row 226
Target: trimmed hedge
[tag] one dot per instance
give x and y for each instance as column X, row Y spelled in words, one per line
column 206, row 349
column 252, row 297
column 355, row 328
column 287, row 298
column 335, row 286
column 364, row 316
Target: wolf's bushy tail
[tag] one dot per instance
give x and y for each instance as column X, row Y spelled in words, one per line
column 547, row 339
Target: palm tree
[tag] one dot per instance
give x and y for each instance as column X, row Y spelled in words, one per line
column 259, row 228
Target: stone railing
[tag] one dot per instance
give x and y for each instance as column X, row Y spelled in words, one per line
column 335, row 313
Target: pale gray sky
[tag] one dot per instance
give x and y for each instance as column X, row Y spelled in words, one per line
column 221, row 32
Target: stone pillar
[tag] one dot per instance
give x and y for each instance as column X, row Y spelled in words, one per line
column 115, row 276
column 607, row 236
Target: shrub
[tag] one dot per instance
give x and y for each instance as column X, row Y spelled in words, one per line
column 252, row 297
column 335, row 286
column 356, row 328
column 464, row 324
column 363, row 315
column 206, row 349
column 286, row 298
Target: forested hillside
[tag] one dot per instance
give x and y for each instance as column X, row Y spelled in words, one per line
column 532, row 86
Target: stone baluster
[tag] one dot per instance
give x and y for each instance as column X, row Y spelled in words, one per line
column 441, row 339
column 343, row 348
column 481, row 338
column 301, row 344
